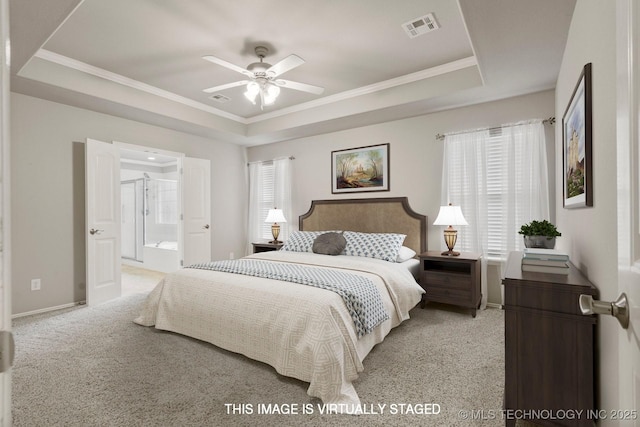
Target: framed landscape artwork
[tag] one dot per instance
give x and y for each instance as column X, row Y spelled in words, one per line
column 576, row 145
column 360, row 169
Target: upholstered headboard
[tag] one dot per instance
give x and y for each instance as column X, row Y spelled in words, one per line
column 378, row 215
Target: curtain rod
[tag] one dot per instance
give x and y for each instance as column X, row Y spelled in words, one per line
column 550, row 121
column 269, row 161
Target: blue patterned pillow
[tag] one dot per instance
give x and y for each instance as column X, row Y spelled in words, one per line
column 374, row 245
column 301, row 241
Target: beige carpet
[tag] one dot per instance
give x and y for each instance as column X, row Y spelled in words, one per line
column 136, row 280
column 92, row 366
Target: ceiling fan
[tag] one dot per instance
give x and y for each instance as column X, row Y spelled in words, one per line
column 262, row 77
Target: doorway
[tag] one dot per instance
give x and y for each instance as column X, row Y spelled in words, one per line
column 150, row 213
column 103, row 213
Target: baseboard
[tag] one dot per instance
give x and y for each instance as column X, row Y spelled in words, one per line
column 46, row 310
column 494, row 305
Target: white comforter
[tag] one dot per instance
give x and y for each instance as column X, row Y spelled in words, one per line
column 302, row 331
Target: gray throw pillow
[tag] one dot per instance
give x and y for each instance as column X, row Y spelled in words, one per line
column 329, row 244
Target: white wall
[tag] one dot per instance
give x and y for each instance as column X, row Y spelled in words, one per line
column 589, row 234
column 415, row 157
column 47, row 185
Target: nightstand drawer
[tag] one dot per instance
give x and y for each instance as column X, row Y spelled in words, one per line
column 444, row 280
column 447, row 294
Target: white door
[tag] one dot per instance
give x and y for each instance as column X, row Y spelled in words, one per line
column 5, row 221
column 102, row 198
column 196, row 190
column 628, row 210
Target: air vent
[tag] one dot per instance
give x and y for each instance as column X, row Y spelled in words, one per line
column 220, row 98
column 420, row 26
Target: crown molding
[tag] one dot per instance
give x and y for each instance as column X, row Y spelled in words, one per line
column 376, row 87
column 342, row 96
column 125, row 81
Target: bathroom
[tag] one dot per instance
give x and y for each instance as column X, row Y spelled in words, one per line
column 150, row 210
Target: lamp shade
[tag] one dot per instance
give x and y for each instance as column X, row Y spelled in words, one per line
column 275, row 215
column 450, row 215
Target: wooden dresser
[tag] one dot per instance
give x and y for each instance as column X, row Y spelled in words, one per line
column 549, row 346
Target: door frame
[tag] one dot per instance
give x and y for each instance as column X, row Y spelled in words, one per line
column 5, row 205
column 628, row 199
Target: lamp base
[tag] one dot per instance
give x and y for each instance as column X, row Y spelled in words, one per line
column 450, row 253
column 450, row 237
column 275, row 232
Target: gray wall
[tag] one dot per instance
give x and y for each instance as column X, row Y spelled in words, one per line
column 589, row 234
column 415, row 157
column 47, row 188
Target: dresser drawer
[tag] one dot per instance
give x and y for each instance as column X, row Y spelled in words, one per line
column 444, row 280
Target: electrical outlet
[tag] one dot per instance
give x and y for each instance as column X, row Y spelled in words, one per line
column 231, row 255
column 35, row 284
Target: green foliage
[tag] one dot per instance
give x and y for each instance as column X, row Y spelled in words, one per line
column 539, row 228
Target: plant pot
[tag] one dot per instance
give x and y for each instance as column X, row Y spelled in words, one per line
column 539, row 242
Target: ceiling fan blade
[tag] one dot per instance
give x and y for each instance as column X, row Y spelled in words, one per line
column 300, row 86
column 227, row 86
column 288, row 63
column 228, row 65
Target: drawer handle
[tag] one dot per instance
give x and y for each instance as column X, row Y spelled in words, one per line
column 618, row 309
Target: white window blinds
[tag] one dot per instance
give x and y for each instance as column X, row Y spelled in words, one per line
column 267, row 199
column 269, row 187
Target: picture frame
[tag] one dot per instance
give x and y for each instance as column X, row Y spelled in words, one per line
column 361, row 169
column 577, row 162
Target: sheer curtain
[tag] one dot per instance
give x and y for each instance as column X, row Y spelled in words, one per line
column 269, row 187
column 499, row 178
column 254, row 228
column 282, row 193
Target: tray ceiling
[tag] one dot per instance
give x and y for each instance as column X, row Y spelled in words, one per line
column 142, row 59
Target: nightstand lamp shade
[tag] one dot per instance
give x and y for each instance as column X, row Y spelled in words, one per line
column 275, row 216
column 450, row 216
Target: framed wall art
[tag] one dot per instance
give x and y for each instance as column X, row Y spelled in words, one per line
column 577, row 176
column 360, row 169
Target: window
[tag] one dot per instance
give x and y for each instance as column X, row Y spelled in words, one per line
column 166, row 201
column 267, row 198
column 499, row 179
column 269, row 187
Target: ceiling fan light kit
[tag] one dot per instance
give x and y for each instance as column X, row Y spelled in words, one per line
column 263, row 78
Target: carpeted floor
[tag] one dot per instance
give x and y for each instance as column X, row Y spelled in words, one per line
column 136, row 280
column 92, row 366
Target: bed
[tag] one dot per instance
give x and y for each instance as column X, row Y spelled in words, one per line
column 304, row 332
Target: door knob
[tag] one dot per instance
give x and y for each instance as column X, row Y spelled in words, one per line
column 206, row 227
column 95, row 231
column 618, row 309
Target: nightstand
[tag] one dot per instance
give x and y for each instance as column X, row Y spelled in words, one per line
column 451, row 279
column 266, row 247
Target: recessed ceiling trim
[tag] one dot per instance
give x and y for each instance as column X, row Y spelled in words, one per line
column 119, row 79
column 376, row 87
column 125, row 81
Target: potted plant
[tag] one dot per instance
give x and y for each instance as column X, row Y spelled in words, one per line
column 539, row 234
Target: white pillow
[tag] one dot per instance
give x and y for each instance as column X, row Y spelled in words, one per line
column 374, row 245
column 405, row 254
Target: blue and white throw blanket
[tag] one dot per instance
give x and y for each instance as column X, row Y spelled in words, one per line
column 359, row 293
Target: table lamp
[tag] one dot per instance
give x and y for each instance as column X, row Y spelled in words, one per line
column 275, row 216
column 450, row 216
